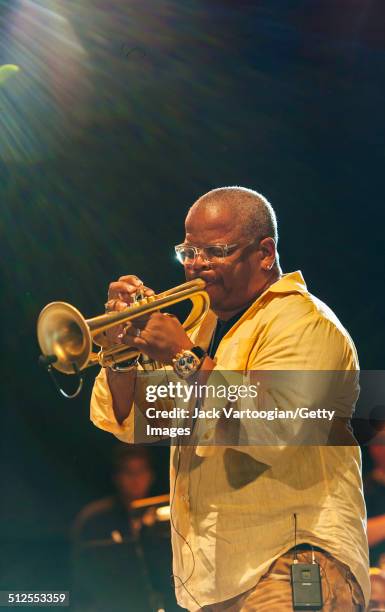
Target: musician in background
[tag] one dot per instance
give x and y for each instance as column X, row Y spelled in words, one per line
column 118, row 547
column 240, row 515
column 112, row 518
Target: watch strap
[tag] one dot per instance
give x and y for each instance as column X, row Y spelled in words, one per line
column 199, row 352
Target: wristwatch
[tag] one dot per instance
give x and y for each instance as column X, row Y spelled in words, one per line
column 188, row 361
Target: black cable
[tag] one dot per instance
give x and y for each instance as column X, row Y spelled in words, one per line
column 61, row 391
column 182, row 582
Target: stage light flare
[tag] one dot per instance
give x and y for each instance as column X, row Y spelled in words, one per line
column 163, row 513
column 6, row 71
column 37, row 110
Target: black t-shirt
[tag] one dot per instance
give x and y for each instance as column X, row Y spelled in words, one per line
column 375, row 505
column 221, row 330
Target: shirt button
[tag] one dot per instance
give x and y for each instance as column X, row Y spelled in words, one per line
column 208, row 435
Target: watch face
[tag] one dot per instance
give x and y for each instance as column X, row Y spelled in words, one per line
column 186, row 364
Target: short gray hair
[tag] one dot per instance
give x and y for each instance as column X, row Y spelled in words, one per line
column 252, row 211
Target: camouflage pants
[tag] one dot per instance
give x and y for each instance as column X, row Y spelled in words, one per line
column 340, row 590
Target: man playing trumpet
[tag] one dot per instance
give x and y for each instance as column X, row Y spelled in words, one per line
column 242, row 515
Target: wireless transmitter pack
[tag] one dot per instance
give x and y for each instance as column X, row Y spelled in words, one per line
column 306, row 586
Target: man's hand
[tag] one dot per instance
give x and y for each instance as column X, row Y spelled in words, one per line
column 122, row 384
column 120, row 295
column 159, row 335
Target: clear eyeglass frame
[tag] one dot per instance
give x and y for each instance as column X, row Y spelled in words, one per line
column 210, row 252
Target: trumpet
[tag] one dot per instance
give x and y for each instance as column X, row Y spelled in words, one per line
column 66, row 338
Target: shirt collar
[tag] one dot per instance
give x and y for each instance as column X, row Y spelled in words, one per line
column 292, row 282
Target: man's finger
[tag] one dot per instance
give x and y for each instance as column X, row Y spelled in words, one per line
column 148, row 291
column 140, row 343
column 141, row 322
column 132, row 331
column 131, row 338
column 117, row 288
column 115, row 305
column 131, row 279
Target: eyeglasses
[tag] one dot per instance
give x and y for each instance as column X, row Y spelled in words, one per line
column 187, row 253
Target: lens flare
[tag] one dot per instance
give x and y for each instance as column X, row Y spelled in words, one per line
column 6, row 71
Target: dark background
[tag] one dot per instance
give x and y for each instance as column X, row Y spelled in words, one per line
column 121, row 115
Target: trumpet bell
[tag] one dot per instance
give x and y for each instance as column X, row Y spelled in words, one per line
column 62, row 331
column 66, row 338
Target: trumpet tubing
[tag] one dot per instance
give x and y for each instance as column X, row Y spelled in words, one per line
column 63, row 332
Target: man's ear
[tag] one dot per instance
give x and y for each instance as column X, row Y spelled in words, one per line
column 268, row 248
